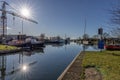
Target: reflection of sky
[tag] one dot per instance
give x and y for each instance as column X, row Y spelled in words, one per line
column 51, row 63
column 92, row 48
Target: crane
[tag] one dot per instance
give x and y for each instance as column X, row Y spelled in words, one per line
column 4, row 18
column 3, row 22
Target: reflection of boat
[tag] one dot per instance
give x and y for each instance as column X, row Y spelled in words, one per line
column 55, row 41
column 85, row 42
column 52, row 42
column 32, row 52
column 55, row 44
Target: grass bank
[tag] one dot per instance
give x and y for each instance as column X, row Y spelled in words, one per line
column 5, row 47
column 106, row 62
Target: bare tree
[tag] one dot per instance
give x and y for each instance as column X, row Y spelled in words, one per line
column 106, row 35
column 116, row 32
column 115, row 19
column 116, row 15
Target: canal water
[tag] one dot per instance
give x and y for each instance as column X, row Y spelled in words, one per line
column 42, row 64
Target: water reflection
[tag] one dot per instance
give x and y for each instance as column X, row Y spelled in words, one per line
column 56, row 44
column 18, row 67
column 21, row 67
column 3, row 67
column 89, row 47
column 24, row 68
column 39, row 64
column 32, row 52
column 21, row 71
column 85, row 47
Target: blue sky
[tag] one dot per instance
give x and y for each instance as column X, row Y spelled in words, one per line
column 60, row 17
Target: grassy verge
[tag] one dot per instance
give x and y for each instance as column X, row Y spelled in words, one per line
column 107, row 62
column 5, row 47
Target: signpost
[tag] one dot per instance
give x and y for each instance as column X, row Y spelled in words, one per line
column 101, row 41
column 101, row 44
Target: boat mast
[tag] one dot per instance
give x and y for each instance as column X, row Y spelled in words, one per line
column 85, row 30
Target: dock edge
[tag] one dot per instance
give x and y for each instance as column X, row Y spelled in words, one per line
column 67, row 68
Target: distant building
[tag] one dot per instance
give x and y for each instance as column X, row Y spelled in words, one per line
column 42, row 37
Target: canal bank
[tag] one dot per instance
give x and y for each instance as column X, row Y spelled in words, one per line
column 74, row 71
column 10, row 51
column 5, row 49
column 93, row 65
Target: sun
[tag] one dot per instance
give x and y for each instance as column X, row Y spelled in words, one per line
column 25, row 12
column 24, row 68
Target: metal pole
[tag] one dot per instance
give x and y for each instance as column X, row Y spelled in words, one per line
column 22, row 27
column 4, row 23
column 85, row 29
column 3, row 28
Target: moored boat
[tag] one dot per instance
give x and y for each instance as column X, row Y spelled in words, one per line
column 28, row 43
column 113, row 47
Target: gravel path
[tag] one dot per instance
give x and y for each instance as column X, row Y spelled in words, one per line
column 75, row 71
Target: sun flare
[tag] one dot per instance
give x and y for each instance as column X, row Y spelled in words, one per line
column 24, row 67
column 25, row 12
